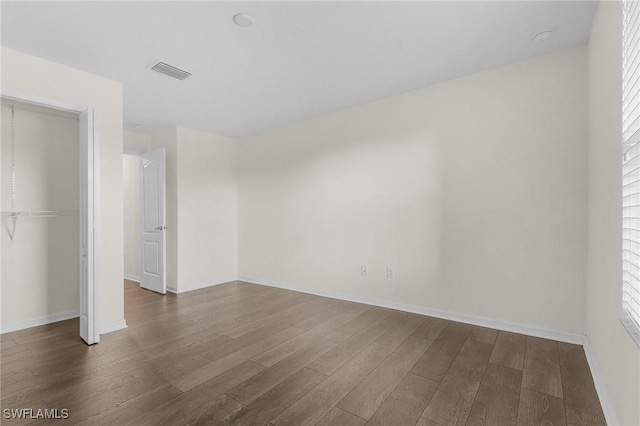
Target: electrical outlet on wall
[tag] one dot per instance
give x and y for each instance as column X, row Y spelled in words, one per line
column 391, row 273
column 363, row 270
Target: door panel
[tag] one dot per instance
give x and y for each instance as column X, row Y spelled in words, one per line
column 151, row 264
column 152, row 220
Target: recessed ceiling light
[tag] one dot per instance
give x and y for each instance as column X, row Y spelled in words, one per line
column 542, row 36
column 243, row 20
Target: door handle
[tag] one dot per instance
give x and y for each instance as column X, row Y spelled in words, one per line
column 161, row 228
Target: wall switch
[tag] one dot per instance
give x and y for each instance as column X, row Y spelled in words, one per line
column 391, row 273
column 363, row 270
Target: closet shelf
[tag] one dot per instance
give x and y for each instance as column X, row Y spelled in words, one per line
column 43, row 213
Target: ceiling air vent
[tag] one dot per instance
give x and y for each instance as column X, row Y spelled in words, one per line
column 171, row 71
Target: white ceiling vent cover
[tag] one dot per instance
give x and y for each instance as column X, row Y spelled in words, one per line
column 171, row 71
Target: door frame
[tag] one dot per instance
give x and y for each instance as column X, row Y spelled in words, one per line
column 86, row 114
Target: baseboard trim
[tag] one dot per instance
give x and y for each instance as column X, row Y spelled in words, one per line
column 544, row 333
column 601, row 389
column 204, row 284
column 174, row 290
column 104, row 329
column 130, row 277
column 114, row 326
column 39, row 321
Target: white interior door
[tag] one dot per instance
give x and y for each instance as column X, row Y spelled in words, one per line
column 152, row 220
column 88, row 324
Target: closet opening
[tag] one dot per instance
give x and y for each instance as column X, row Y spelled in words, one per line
column 49, row 191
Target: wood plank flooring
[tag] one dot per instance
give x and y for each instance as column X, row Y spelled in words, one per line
column 243, row 354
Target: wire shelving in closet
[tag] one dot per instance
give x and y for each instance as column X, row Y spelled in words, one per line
column 13, row 214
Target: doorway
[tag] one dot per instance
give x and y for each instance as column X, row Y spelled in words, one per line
column 70, row 200
column 144, row 190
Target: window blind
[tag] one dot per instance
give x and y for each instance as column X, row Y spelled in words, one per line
column 631, row 166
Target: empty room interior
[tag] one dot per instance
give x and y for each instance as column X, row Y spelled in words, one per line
column 320, row 213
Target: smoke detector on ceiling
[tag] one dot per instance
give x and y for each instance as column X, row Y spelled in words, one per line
column 170, row 70
column 542, row 36
column 244, row 20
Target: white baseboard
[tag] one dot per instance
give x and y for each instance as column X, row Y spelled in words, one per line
column 114, row 326
column 136, row 279
column 203, row 284
column 605, row 401
column 35, row 322
column 544, row 333
column 178, row 289
column 131, row 277
column 104, row 329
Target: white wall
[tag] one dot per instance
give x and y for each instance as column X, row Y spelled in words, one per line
column 135, row 143
column 46, row 79
column 131, row 193
column 617, row 356
column 40, row 267
column 473, row 190
column 207, row 209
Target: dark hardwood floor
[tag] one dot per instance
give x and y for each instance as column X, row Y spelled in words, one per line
column 244, row 354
